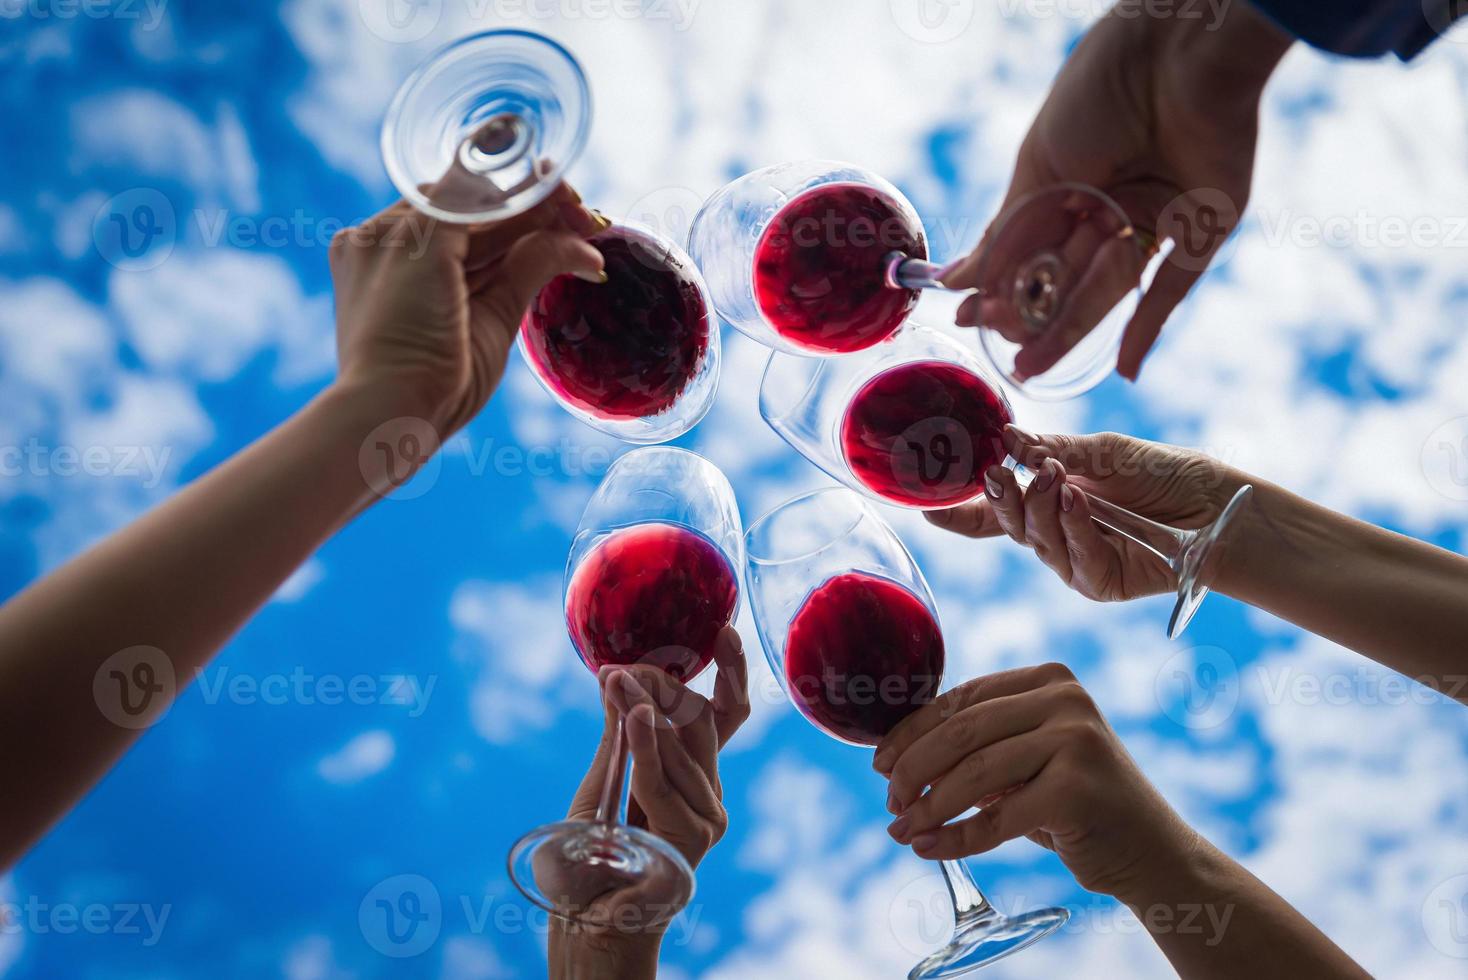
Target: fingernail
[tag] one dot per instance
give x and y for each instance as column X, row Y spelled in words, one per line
column 880, row 762
column 1046, row 478
column 894, row 805
column 1025, row 437
column 993, row 488
column 1067, row 498
column 924, row 842
column 898, row 829
column 596, row 278
column 602, row 221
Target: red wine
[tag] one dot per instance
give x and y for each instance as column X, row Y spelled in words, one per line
column 862, row 654
column 819, row 268
column 626, row 348
column 651, row 594
column 923, row 433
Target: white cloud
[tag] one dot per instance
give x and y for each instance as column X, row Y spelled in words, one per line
column 365, row 755
column 204, row 315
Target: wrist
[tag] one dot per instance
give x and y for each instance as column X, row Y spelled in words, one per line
column 579, row 951
column 1232, row 53
column 1271, row 531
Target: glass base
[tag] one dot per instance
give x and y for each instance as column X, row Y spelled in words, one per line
column 1200, row 564
column 602, row 874
column 980, row 942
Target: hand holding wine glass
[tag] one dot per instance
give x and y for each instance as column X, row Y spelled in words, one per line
column 674, row 736
column 1151, row 110
column 1031, row 747
column 1054, row 515
column 1033, row 751
column 430, row 308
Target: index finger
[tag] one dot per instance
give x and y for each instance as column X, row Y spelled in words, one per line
column 949, row 703
column 731, row 687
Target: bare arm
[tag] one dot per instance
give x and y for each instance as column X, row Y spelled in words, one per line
column 426, row 316
column 1399, row 601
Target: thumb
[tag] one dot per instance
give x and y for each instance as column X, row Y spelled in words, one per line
column 539, row 257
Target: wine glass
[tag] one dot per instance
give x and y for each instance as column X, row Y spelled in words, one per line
column 916, row 420
column 484, row 130
column 826, row 258
column 850, row 628
column 652, row 578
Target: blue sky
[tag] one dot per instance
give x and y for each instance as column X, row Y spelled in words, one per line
column 1325, row 354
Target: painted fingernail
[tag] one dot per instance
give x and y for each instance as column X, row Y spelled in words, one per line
column 602, row 221
column 898, row 829
column 1046, row 478
column 596, row 278
column 882, row 764
column 924, row 842
column 894, row 805
column 993, row 487
column 1067, row 498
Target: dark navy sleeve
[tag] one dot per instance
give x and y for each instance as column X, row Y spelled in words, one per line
column 1365, row 28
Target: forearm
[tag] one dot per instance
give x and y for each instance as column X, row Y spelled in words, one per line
column 576, row 954
column 181, row 580
column 1212, row 918
column 1399, row 601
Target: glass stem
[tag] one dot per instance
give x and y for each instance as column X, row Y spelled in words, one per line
column 904, row 272
column 969, row 903
column 1168, row 543
column 612, row 807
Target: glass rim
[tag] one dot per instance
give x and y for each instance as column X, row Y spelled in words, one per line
column 798, row 500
